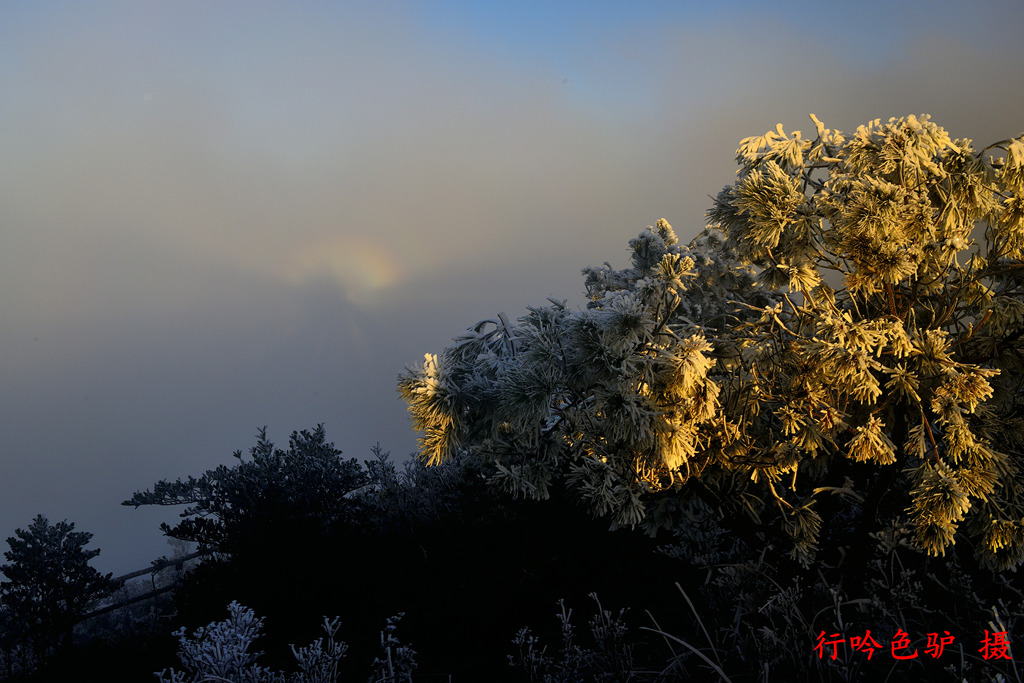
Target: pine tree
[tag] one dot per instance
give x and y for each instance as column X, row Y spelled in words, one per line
column 843, row 341
column 49, row 582
column 276, row 495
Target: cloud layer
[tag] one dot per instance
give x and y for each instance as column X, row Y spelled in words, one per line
column 222, row 216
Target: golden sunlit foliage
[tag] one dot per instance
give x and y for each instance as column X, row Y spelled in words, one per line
column 849, row 324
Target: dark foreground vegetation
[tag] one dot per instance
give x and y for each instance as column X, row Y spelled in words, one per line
column 494, row 588
column 302, row 533
column 791, row 450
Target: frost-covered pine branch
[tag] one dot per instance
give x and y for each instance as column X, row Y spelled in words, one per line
column 222, row 651
column 854, row 310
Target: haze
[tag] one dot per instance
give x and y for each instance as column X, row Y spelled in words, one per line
column 218, row 216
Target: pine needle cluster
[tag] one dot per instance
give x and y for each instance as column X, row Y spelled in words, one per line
column 847, row 330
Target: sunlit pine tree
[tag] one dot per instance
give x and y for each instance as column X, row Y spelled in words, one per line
column 845, row 335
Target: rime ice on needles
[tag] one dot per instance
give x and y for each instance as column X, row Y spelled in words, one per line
column 856, row 302
column 222, row 651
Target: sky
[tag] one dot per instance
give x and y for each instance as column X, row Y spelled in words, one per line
column 217, row 216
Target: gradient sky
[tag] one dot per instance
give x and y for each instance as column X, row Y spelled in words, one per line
column 223, row 215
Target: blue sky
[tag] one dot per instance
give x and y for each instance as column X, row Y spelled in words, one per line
column 218, row 216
